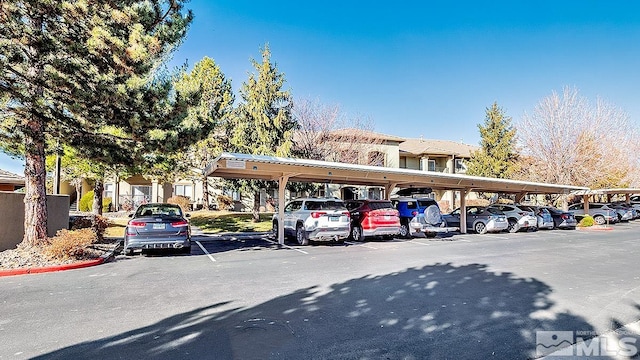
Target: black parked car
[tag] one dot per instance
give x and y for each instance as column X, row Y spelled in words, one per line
column 562, row 219
column 158, row 226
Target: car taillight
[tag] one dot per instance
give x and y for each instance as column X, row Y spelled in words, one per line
column 414, row 213
column 179, row 223
column 317, row 214
column 346, row 213
column 564, row 216
column 139, row 224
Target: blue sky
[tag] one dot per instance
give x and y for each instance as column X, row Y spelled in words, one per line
column 426, row 68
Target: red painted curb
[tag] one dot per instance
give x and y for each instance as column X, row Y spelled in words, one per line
column 78, row 265
column 592, row 228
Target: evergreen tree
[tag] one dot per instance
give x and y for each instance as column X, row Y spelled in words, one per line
column 498, row 155
column 215, row 104
column 81, row 72
column 263, row 123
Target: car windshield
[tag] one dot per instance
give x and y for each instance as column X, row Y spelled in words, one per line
column 159, row 210
column 376, row 205
column 425, row 203
column 494, row 211
column 325, row 205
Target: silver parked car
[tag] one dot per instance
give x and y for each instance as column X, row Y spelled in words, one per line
column 601, row 213
column 545, row 220
column 519, row 217
column 625, row 213
column 315, row 219
column 480, row 219
column 157, row 226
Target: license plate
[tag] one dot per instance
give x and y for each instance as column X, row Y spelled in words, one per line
column 158, row 226
column 334, row 218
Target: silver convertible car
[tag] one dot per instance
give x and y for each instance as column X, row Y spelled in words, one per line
column 157, row 226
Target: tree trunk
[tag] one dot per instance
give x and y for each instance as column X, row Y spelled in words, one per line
column 97, row 197
column 205, row 193
column 256, row 206
column 35, row 198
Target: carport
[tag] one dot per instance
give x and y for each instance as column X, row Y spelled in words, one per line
column 283, row 170
column 609, row 193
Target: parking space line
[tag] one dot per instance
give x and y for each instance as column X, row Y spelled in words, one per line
column 360, row 244
column 205, row 251
column 287, row 246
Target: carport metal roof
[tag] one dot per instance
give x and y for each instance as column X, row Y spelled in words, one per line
column 613, row 191
column 243, row 166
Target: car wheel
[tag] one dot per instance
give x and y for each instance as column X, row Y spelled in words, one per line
column 356, row 233
column 404, row 230
column 513, row 226
column 301, row 235
column 599, row 219
column 480, row 228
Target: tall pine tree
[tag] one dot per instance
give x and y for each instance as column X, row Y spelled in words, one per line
column 81, row 72
column 497, row 157
column 263, row 123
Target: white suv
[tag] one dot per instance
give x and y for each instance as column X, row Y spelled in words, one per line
column 315, row 219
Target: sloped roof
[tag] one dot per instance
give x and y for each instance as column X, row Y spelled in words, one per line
column 437, row 147
column 367, row 134
column 10, row 178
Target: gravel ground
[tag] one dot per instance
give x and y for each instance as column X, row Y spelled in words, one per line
column 32, row 257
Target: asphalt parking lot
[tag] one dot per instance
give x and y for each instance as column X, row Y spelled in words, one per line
column 246, row 297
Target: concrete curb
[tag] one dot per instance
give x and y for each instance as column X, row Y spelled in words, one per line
column 39, row 270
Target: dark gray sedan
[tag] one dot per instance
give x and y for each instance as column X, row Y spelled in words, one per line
column 158, row 226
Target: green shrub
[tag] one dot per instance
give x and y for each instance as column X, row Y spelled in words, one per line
column 586, row 221
column 180, row 200
column 86, row 203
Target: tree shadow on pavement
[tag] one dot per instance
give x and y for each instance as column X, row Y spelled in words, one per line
column 433, row 312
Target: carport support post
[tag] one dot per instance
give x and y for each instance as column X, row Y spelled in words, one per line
column 585, row 200
column 627, row 198
column 463, row 211
column 282, row 186
column 388, row 189
column 519, row 197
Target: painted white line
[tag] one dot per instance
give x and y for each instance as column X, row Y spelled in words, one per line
column 287, row 246
column 360, row 244
column 205, row 251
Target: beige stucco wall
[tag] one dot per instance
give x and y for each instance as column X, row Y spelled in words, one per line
column 12, row 215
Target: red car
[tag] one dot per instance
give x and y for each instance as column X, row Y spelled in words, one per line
column 373, row 218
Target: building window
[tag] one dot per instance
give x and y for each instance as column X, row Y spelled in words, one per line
column 376, row 158
column 431, row 165
column 108, row 191
column 349, row 156
column 183, row 190
column 460, row 166
column 141, row 194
